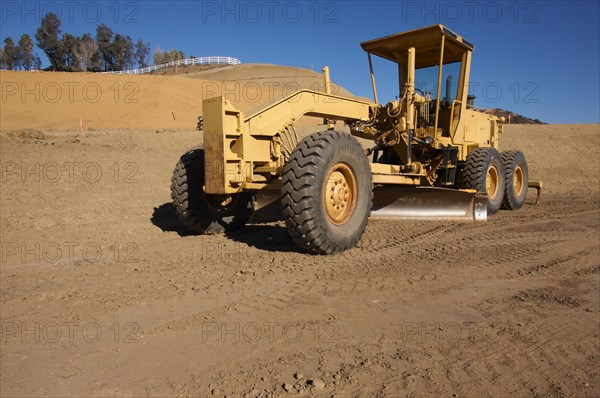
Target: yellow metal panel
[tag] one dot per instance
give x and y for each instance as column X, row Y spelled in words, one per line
column 214, row 147
column 425, row 40
column 395, row 179
column 271, row 120
column 223, row 147
column 233, row 143
column 390, row 174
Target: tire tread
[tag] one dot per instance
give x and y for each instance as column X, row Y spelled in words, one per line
column 300, row 182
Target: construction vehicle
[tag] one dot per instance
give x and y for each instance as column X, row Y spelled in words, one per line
column 433, row 156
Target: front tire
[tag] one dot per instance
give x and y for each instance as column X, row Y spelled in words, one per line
column 327, row 192
column 517, row 179
column 204, row 213
column 483, row 171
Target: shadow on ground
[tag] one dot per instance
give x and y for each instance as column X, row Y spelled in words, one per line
column 271, row 237
column 165, row 218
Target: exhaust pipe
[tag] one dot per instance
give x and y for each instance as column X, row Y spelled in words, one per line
column 448, row 90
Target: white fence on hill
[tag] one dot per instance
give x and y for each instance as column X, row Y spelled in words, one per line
column 187, row 61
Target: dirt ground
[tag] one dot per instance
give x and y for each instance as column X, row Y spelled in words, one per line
column 103, row 293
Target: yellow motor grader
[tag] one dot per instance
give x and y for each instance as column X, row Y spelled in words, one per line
column 433, row 155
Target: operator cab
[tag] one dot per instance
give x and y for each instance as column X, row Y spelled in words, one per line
column 441, row 75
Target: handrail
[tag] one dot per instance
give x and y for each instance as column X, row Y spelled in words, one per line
column 452, row 115
column 188, row 61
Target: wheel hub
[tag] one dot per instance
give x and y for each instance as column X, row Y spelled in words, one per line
column 340, row 193
column 492, row 181
column 518, row 181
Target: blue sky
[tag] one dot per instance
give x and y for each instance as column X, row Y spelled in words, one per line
column 539, row 59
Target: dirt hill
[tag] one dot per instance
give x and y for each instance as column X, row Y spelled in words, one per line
column 67, row 101
column 61, row 101
column 512, row 117
column 184, row 69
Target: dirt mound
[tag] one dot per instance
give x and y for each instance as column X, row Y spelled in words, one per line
column 28, row 135
column 560, row 155
column 87, row 101
column 255, row 72
column 183, row 69
column 273, row 81
column 511, row 117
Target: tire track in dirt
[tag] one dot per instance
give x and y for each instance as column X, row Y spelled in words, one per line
column 283, row 292
column 504, row 358
column 575, row 262
column 498, row 358
column 555, row 336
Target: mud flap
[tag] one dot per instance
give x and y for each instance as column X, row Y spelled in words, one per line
column 399, row 203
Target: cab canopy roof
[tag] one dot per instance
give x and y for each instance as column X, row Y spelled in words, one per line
column 427, row 43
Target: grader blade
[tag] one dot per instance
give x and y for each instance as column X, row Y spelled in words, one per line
column 428, row 204
column 399, row 203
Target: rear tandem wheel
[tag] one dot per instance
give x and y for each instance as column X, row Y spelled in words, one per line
column 204, row 213
column 517, row 179
column 483, row 171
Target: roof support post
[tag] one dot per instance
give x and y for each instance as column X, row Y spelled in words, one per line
column 373, row 79
column 439, row 84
